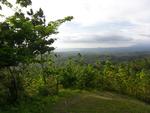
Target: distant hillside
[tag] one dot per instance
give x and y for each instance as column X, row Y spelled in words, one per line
column 106, row 50
column 135, row 48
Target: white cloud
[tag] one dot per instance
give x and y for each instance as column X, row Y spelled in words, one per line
column 91, row 11
column 128, row 18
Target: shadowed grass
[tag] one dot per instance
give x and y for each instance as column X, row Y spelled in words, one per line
column 75, row 101
column 100, row 102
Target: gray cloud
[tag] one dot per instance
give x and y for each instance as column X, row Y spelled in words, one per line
column 99, row 27
column 145, row 35
column 97, row 39
column 122, row 18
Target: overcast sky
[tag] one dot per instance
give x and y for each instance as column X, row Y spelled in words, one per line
column 99, row 23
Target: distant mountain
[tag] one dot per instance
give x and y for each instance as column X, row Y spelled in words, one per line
column 135, row 48
column 91, row 55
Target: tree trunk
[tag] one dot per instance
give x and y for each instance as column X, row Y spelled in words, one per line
column 13, row 87
column 42, row 66
column 57, row 85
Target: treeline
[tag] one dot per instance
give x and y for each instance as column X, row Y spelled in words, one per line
column 130, row 77
column 90, row 57
column 46, row 78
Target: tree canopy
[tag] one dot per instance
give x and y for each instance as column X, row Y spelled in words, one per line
column 23, row 37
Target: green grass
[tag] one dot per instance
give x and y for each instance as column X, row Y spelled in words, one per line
column 100, row 102
column 69, row 101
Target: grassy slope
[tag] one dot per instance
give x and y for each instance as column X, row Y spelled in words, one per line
column 70, row 101
column 99, row 102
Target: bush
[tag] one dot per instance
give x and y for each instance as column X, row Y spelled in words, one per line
column 50, row 88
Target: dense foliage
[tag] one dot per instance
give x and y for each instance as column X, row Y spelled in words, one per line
column 130, row 77
column 24, row 39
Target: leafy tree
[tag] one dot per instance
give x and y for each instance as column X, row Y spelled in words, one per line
column 23, row 38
